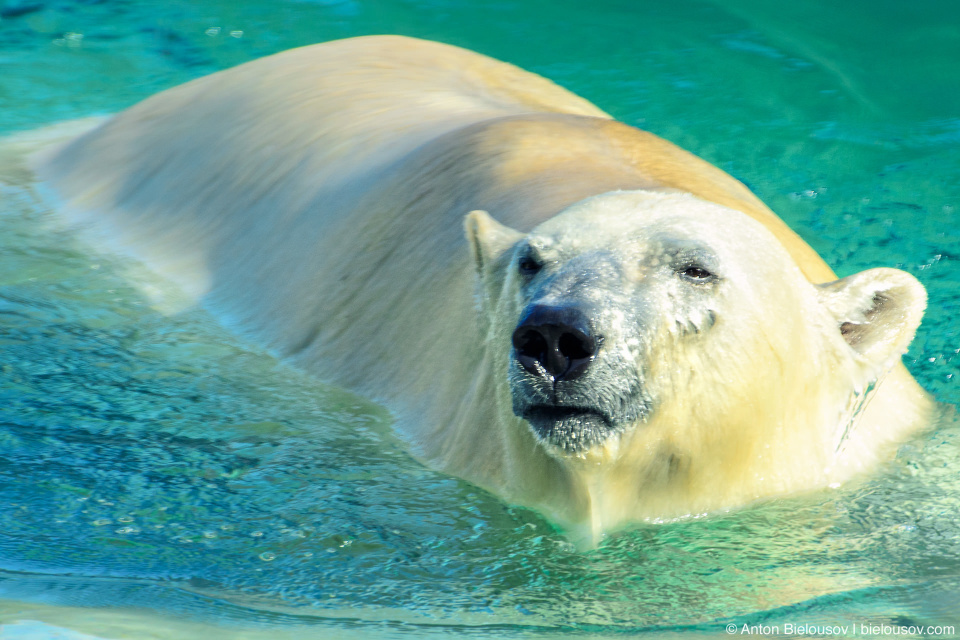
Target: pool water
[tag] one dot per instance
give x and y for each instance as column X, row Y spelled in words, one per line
column 160, row 477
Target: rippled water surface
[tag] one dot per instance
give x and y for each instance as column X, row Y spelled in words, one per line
column 159, row 477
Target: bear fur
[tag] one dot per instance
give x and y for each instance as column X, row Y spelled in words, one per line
column 317, row 200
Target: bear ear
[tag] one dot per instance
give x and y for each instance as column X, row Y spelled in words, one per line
column 877, row 312
column 489, row 240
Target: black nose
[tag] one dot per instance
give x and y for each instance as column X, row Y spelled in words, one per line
column 555, row 342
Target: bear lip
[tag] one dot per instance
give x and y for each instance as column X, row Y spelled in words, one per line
column 561, row 412
column 570, row 429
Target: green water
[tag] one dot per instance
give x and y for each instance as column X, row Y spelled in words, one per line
column 161, row 478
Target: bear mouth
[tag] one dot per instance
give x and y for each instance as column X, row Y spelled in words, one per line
column 570, row 429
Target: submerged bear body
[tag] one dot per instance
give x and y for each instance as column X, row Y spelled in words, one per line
column 618, row 331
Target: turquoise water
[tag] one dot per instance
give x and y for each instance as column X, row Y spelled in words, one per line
column 159, row 477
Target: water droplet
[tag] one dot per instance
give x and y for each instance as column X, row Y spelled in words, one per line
column 102, row 521
column 257, row 534
column 266, row 556
column 125, row 519
column 209, row 534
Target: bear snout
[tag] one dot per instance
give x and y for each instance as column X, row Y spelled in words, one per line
column 555, row 342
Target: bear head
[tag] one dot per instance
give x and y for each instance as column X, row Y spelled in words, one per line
column 671, row 341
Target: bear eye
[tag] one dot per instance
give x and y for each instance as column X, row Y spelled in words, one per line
column 528, row 266
column 696, row 272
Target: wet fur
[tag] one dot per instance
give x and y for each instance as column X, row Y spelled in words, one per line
column 315, row 199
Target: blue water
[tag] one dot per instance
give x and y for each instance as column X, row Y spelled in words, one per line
column 159, row 477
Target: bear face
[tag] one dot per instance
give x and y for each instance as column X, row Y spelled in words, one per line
column 604, row 294
column 676, row 341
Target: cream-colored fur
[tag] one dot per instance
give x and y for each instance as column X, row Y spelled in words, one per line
column 316, row 199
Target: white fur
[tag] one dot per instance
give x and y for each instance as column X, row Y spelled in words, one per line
column 315, row 198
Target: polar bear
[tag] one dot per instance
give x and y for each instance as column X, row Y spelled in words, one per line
column 558, row 307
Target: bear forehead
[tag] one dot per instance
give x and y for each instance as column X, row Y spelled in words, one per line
column 646, row 223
